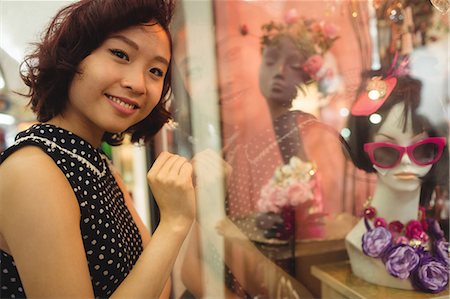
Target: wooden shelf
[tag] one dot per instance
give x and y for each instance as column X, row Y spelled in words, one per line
column 338, row 282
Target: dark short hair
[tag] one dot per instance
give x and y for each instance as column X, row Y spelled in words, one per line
column 407, row 91
column 73, row 34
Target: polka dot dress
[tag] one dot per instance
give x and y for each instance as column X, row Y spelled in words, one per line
column 111, row 238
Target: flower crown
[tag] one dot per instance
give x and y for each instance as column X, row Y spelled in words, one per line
column 309, row 35
column 313, row 38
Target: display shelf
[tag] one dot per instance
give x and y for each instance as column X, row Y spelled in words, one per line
column 338, row 282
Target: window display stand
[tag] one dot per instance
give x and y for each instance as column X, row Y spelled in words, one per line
column 307, row 252
column 338, row 282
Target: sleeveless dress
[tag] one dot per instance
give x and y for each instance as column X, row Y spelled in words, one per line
column 111, row 239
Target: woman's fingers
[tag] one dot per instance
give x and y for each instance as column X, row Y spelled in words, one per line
column 166, row 167
column 170, row 179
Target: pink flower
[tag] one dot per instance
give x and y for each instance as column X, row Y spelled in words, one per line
column 370, row 212
column 298, row 193
column 330, row 30
column 424, row 237
column 414, row 230
column 316, row 26
column 396, row 226
column 379, row 222
column 291, row 16
column 313, row 65
column 272, row 199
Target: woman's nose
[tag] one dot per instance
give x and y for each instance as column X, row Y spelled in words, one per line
column 135, row 81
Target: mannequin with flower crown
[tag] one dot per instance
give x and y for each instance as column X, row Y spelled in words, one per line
column 292, row 56
column 393, row 211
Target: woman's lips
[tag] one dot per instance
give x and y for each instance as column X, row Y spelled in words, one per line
column 124, row 106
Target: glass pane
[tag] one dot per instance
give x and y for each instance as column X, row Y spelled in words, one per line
column 269, row 126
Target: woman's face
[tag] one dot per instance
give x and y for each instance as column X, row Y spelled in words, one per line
column 406, row 175
column 121, row 81
column 281, row 72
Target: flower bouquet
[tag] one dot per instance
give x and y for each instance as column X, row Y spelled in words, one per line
column 290, row 204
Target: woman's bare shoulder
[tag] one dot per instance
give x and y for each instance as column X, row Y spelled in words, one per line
column 29, row 173
column 40, row 217
column 25, row 162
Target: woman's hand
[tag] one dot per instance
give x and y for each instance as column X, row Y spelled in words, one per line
column 170, row 180
column 210, row 174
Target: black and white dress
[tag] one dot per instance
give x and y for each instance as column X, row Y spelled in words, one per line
column 111, row 238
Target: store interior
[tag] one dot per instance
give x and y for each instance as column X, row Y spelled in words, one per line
column 223, row 117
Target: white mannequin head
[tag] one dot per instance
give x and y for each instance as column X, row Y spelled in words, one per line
column 407, row 175
column 400, row 124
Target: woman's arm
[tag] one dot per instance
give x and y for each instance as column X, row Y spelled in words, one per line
column 40, row 221
column 42, row 227
column 143, row 229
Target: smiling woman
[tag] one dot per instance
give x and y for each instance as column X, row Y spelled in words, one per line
column 68, row 227
column 125, row 73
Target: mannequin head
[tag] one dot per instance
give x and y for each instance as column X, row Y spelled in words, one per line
column 292, row 55
column 281, row 71
column 400, row 124
column 404, row 174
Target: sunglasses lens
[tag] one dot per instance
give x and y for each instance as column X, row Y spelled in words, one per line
column 386, row 156
column 425, row 153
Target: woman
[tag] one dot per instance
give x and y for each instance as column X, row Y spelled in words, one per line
column 68, row 227
column 410, row 159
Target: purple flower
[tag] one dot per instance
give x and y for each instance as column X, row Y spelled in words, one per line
column 431, row 276
column 376, row 241
column 401, row 260
column 441, row 251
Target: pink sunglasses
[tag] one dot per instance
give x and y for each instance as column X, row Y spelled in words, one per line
column 387, row 155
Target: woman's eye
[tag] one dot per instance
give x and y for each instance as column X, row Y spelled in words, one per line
column 156, row 71
column 119, row 53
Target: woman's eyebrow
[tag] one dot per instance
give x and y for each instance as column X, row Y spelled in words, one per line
column 136, row 47
column 126, row 40
column 162, row 60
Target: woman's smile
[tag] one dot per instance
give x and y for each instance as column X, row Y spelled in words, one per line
column 123, row 105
